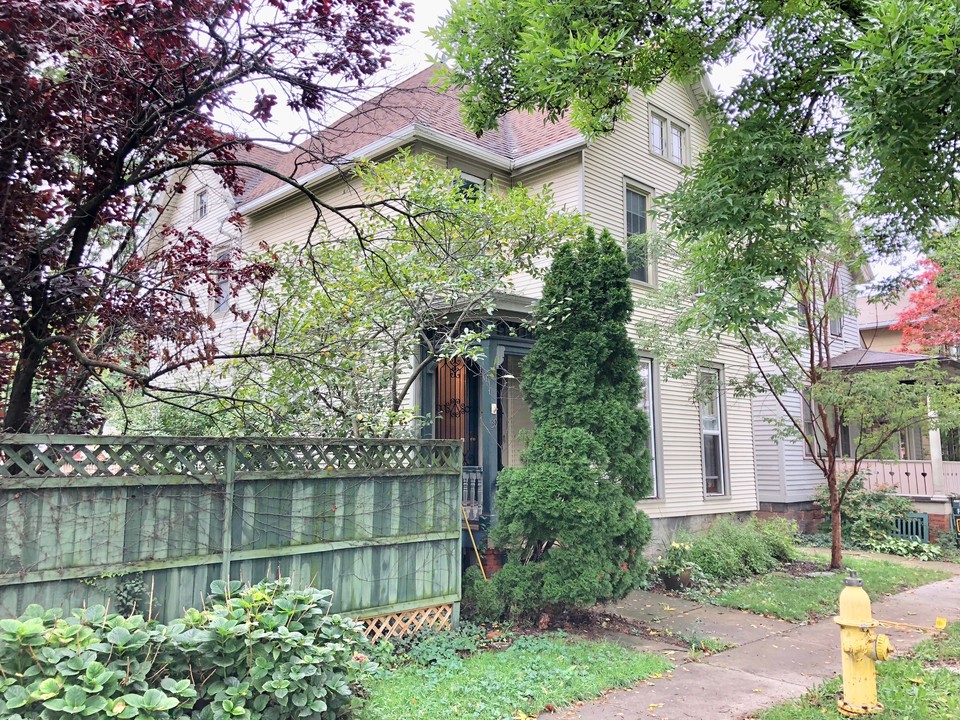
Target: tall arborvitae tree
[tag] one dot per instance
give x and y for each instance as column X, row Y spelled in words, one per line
column 568, row 518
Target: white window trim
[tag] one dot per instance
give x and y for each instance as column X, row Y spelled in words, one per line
column 721, row 433
column 669, row 122
column 201, row 204
column 218, row 253
column 630, row 185
column 651, row 407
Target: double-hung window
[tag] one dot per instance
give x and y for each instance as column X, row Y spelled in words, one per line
column 649, row 407
column 638, row 251
column 200, row 205
column 711, row 431
column 221, row 299
column 668, row 138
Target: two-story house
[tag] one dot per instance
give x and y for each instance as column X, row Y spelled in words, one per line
column 703, row 449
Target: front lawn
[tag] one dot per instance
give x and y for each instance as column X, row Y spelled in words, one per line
column 918, row 688
column 533, row 674
column 799, row 599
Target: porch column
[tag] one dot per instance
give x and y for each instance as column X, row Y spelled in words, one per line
column 936, row 456
column 489, row 426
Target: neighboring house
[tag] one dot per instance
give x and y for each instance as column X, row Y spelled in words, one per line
column 703, row 451
column 876, row 320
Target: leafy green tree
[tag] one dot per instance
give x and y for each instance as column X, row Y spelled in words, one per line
column 568, row 516
column 348, row 322
column 881, row 73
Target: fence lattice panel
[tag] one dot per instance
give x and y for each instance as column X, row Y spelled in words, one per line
column 377, row 522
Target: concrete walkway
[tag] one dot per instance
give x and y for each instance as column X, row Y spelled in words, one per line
column 771, row 660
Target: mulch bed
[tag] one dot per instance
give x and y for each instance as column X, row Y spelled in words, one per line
column 596, row 625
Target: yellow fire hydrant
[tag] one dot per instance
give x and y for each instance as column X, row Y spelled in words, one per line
column 860, row 648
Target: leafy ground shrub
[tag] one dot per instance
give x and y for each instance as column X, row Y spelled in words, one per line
column 868, row 522
column 88, row 664
column 867, row 516
column 265, row 652
column 730, row 550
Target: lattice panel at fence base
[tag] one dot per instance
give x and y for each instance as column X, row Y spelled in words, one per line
column 384, row 627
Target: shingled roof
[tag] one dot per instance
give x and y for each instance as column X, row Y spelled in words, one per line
column 413, row 102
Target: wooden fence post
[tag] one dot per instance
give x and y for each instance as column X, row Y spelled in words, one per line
column 229, row 472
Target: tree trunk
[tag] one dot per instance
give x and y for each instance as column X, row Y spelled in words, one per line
column 17, row 418
column 836, row 539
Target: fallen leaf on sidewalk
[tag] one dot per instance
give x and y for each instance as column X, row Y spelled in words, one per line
column 758, row 690
column 653, row 706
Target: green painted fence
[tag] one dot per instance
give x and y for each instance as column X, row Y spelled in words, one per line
column 377, row 522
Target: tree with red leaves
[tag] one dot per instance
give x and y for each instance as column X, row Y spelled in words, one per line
column 102, row 102
column 931, row 322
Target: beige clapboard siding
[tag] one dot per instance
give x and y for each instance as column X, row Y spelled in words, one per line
column 681, row 489
column 564, row 179
column 610, row 163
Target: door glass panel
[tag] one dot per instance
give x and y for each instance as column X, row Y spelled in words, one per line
column 516, row 416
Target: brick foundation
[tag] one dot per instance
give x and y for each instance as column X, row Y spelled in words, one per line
column 806, row 514
column 940, row 524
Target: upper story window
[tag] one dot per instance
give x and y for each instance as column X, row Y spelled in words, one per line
column 668, row 138
column 469, row 184
column 200, row 205
column 638, row 251
column 221, row 299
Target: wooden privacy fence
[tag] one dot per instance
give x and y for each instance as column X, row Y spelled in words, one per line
column 377, row 522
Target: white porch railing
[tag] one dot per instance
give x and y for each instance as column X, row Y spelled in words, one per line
column 951, row 477
column 913, row 478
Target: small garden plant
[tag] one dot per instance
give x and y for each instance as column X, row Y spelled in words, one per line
column 261, row 652
column 868, row 521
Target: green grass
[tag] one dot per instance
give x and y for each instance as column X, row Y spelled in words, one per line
column 804, row 598
column 525, row 678
column 914, row 688
column 943, row 648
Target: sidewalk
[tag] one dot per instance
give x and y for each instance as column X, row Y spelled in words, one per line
column 771, row 660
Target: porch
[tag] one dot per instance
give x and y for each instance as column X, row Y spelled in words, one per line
column 913, row 478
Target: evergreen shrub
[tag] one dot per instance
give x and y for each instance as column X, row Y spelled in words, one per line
column 568, row 518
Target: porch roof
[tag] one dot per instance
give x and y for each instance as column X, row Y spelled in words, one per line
column 863, row 359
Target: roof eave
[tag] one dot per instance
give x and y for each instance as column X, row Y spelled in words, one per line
column 394, row 140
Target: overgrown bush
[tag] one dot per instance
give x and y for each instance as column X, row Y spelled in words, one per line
column 730, row 550
column 265, row 652
column 568, row 517
column 868, row 521
column 867, row 516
